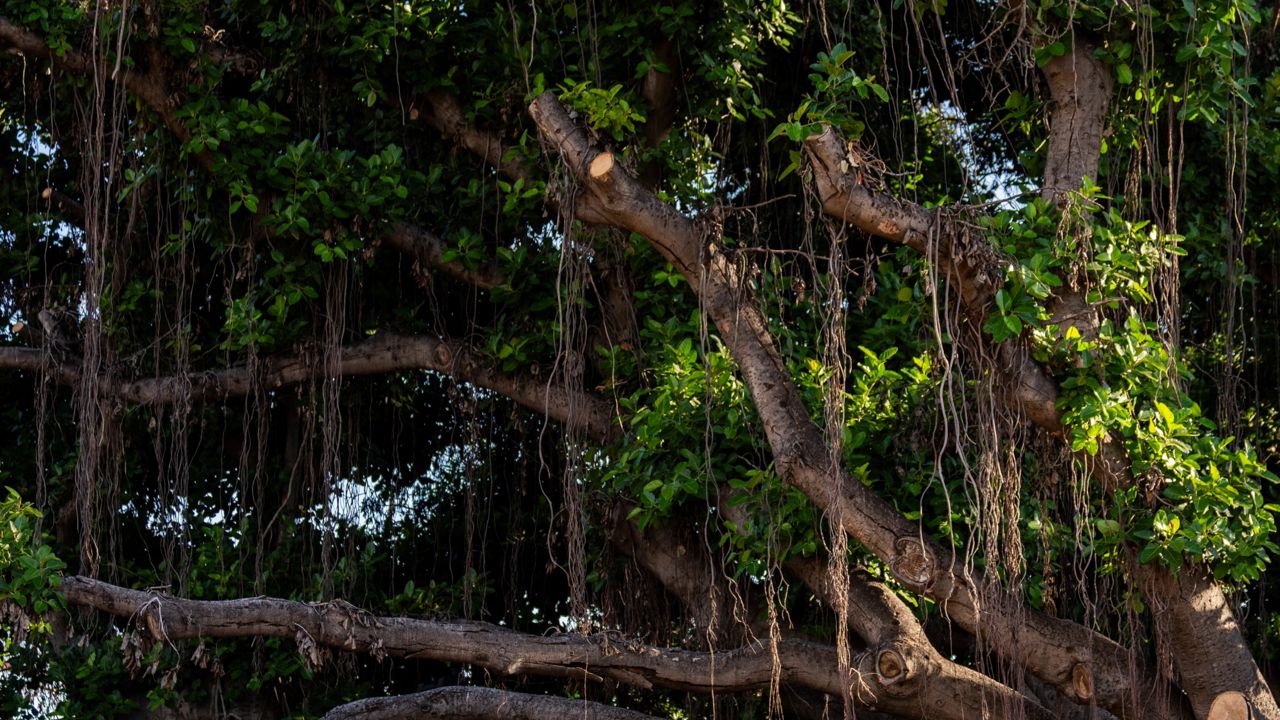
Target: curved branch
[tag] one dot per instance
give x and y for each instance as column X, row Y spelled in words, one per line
column 478, row 703
column 383, row 353
column 1050, row 647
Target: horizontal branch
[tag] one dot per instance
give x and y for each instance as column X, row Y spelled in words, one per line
column 478, row 703
column 341, row 626
column 381, row 354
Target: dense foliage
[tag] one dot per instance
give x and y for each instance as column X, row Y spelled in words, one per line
column 196, row 188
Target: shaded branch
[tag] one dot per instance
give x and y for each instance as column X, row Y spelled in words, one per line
column 381, row 354
column 149, row 87
column 338, row 625
column 478, row 703
column 66, row 205
column 1051, row 647
column 443, row 112
column 680, row 561
column 428, row 249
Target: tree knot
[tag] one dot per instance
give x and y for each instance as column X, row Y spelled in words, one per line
column 912, row 564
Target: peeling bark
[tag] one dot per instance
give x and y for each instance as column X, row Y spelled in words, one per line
column 478, row 703
column 1050, row 647
column 383, row 353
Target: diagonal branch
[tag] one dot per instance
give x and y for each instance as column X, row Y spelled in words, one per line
column 1051, row 647
column 893, row 633
column 427, row 248
column 967, row 262
column 896, row 639
column 443, row 112
column 381, row 354
column 478, row 703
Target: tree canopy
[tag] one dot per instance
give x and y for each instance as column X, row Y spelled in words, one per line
column 453, row 359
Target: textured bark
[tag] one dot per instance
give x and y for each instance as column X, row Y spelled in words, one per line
column 1079, row 88
column 478, row 703
column 340, row 626
column 1207, row 645
column 1050, row 647
column 383, row 353
column 962, row 258
column 945, row 688
column 1209, row 652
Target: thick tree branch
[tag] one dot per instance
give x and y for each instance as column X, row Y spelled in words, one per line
column 1208, row 647
column 340, row 626
column 478, row 703
column 674, row 555
column 947, row 688
column 1052, row 648
column 659, row 91
column 383, row 353
column 1080, row 88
